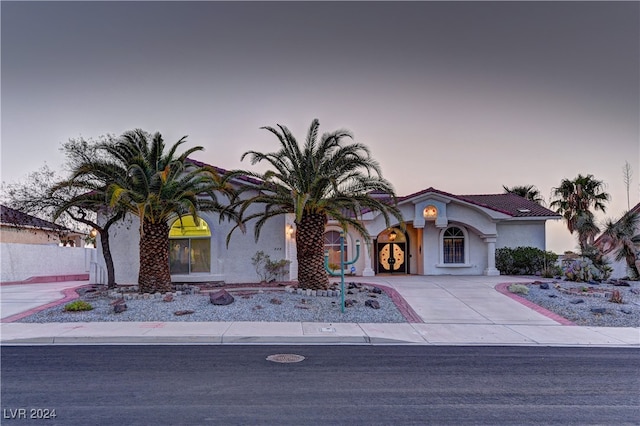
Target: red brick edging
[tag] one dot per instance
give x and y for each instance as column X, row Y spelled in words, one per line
column 405, row 309
column 504, row 289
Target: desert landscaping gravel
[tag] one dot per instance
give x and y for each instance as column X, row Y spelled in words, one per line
column 262, row 305
column 591, row 305
column 276, row 305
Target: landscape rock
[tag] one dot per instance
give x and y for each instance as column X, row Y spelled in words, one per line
column 372, row 304
column 221, row 298
column 119, row 308
column 544, row 286
column 376, row 290
column 349, row 303
column 185, row 312
column 599, row 310
column 168, row 298
column 576, row 301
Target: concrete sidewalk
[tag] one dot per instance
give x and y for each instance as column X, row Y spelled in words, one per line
column 454, row 311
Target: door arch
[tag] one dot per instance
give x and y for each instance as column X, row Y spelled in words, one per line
column 392, row 252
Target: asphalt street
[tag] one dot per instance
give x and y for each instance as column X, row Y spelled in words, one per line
column 227, row 385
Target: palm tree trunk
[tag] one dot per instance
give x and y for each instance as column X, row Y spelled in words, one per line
column 154, row 273
column 310, row 246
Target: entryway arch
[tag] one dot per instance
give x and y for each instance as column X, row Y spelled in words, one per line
column 392, row 252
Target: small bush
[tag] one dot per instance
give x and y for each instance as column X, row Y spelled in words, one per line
column 77, row 306
column 616, row 297
column 519, row 289
column 267, row 269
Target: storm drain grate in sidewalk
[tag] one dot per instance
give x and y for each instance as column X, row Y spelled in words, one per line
column 285, row 358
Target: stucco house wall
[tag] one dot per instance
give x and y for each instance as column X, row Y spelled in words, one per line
column 521, row 234
column 9, row 234
column 230, row 264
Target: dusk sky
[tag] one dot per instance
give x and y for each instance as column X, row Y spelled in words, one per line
column 461, row 96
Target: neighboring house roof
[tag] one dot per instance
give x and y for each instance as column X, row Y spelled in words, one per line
column 18, row 219
column 634, row 209
column 510, row 204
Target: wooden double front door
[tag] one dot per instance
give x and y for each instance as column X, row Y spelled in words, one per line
column 392, row 257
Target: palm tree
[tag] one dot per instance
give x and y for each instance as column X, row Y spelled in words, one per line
column 156, row 186
column 620, row 237
column 530, row 192
column 574, row 199
column 324, row 179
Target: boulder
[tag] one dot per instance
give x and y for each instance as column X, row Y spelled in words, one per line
column 376, row 290
column 119, row 308
column 374, row 304
column 221, row 297
column 544, row 286
column 349, row 303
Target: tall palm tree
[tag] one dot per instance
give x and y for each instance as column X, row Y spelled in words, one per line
column 574, row 199
column 622, row 238
column 156, row 185
column 530, row 192
column 324, row 179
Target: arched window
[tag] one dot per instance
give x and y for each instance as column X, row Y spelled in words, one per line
column 189, row 246
column 453, row 245
column 332, row 244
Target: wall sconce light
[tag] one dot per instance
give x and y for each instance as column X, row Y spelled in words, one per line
column 289, row 231
column 93, row 233
column 393, row 236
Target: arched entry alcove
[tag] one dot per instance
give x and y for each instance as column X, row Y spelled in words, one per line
column 392, row 252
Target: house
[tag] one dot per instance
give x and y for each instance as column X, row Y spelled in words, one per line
column 619, row 267
column 30, row 249
column 442, row 234
column 22, row 228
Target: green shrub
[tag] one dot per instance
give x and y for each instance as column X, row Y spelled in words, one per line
column 526, row 261
column 78, row 305
column 519, row 289
column 267, row 269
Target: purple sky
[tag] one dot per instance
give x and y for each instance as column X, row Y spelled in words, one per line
column 464, row 97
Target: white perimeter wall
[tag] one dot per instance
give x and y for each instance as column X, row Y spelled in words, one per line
column 22, row 261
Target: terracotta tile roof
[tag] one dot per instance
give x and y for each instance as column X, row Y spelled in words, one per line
column 510, row 204
column 12, row 217
column 223, row 172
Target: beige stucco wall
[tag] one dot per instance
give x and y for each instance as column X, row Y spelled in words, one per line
column 9, row 234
